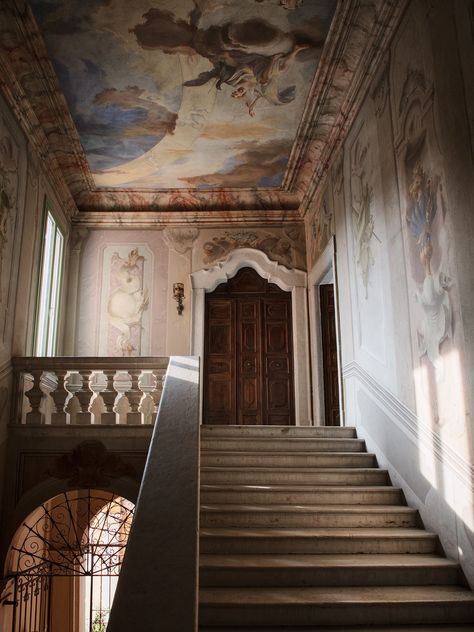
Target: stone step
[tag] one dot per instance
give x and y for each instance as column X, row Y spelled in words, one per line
column 282, row 444
column 264, row 541
column 345, row 606
column 300, row 495
column 299, row 476
column 288, row 459
column 318, row 516
column 404, row 628
column 278, row 431
column 327, row 570
column 392, row 628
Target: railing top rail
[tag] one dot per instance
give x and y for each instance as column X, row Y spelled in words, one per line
column 92, row 362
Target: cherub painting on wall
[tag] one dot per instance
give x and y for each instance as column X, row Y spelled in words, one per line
column 433, row 297
column 127, row 301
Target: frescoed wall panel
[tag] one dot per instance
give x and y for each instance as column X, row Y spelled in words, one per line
column 122, row 296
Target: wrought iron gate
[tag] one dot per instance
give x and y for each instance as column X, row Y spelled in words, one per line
column 79, row 535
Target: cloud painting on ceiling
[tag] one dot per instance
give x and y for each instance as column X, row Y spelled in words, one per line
column 198, row 94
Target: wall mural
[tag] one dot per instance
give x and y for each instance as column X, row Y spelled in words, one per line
column 433, row 297
column 321, row 229
column 213, row 89
column 425, row 213
column 124, row 302
column 279, row 248
column 362, row 218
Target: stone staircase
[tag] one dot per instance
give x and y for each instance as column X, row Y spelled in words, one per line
column 300, row 530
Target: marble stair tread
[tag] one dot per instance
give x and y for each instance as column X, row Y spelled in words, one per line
column 335, row 509
column 356, row 533
column 326, row 561
column 278, row 444
column 351, row 605
column 405, row 628
column 310, row 540
column 284, row 460
column 278, row 431
column 353, row 476
column 308, row 596
column 327, row 570
column 292, row 487
column 300, row 494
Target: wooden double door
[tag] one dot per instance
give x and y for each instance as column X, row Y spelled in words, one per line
column 248, row 360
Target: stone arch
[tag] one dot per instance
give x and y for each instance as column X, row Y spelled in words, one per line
column 294, row 281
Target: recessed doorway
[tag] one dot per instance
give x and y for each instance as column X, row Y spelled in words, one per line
column 248, row 358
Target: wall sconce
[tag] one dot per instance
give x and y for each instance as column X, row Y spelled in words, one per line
column 178, row 295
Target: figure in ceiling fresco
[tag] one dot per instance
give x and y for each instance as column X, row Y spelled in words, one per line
column 249, row 56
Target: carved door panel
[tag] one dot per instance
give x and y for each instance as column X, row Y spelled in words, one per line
column 330, row 360
column 278, row 379
column 248, row 364
column 220, row 361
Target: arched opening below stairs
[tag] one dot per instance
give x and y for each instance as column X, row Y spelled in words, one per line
column 63, row 564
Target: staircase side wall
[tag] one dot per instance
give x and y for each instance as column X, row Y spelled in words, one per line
column 398, row 200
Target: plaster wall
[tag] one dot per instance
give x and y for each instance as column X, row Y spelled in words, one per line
column 97, row 322
column 399, row 201
column 23, row 190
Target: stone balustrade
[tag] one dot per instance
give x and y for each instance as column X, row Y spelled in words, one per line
column 83, row 390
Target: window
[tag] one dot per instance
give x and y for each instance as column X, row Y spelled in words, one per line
column 50, row 288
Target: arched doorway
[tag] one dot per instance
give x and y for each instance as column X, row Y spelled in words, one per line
column 248, row 358
column 64, row 563
column 294, row 281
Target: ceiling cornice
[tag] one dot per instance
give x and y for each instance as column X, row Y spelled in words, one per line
column 359, row 36
column 18, row 67
column 161, row 219
column 359, row 40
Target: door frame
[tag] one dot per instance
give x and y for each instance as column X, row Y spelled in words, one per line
column 294, row 281
column 323, row 268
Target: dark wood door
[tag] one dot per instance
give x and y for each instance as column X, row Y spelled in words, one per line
column 330, row 363
column 248, row 360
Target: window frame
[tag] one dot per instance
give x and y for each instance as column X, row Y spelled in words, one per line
column 50, row 285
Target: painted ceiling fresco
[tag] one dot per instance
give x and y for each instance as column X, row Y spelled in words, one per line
column 188, row 94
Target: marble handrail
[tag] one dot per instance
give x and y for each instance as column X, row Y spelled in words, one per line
column 88, row 390
column 158, row 583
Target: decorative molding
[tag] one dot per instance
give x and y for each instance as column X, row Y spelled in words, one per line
column 6, row 368
column 161, row 219
column 382, row 88
column 221, row 272
column 338, row 172
column 415, row 428
column 345, row 73
column 21, row 76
